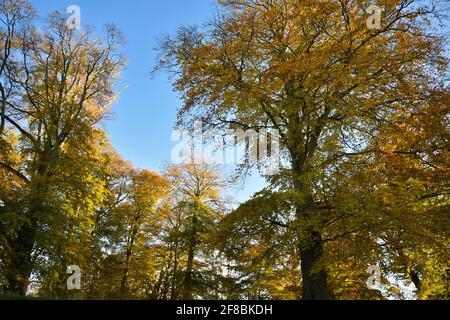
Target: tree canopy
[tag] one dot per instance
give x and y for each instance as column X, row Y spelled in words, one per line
column 362, row 114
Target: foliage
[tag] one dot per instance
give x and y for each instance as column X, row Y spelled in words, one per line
column 363, row 121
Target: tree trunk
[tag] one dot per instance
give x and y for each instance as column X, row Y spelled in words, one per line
column 124, row 290
column 314, row 276
column 187, row 292
column 123, row 284
column 415, row 278
column 315, row 285
column 20, row 266
column 20, row 262
column 174, row 279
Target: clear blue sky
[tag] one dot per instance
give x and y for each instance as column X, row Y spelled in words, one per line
column 145, row 112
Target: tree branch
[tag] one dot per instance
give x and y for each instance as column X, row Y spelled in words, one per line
column 14, row 171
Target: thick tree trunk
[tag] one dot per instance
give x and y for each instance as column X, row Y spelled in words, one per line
column 314, row 276
column 415, row 278
column 20, row 263
column 124, row 285
column 124, row 290
column 173, row 294
column 187, row 292
column 20, row 266
column 315, row 285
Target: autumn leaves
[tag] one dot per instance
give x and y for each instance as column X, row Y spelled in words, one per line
column 361, row 116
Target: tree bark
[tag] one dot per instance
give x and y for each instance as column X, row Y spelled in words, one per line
column 314, row 276
column 20, row 263
column 187, row 292
column 20, row 266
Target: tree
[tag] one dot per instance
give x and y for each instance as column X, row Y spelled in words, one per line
column 60, row 87
column 152, row 235
column 67, row 236
column 127, row 225
column 198, row 187
column 315, row 72
column 16, row 17
column 141, row 221
column 362, row 113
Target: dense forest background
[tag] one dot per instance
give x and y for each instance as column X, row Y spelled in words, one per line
column 363, row 117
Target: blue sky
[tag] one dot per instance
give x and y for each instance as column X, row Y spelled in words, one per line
column 145, row 112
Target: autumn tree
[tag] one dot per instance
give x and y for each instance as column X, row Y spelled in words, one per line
column 16, row 20
column 69, row 237
column 153, row 232
column 321, row 75
column 59, row 86
column 141, row 221
column 197, row 186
